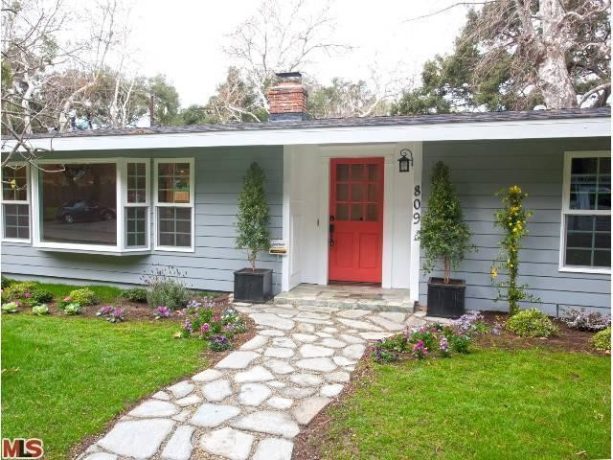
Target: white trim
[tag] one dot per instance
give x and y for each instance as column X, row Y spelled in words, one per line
column 157, row 204
column 416, row 175
column 566, row 211
column 27, row 202
column 516, row 129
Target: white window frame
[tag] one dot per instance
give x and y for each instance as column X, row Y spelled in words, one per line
column 146, row 204
column 566, row 211
column 28, row 201
column 157, row 205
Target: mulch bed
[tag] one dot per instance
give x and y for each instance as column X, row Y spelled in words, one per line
column 310, row 439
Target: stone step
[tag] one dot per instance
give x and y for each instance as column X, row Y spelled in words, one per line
column 349, row 303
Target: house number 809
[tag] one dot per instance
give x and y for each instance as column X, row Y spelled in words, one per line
column 416, row 204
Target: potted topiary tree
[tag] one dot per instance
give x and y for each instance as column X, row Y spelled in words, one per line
column 253, row 284
column 445, row 237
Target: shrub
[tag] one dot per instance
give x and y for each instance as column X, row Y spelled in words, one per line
column 531, row 323
column 73, row 308
column 41, row 296
column 586, row 321
column 10, row 307
column 135, row 295
column 602, row 340
column 40, row 310
column 166, row 289
column 19, row 291
column 6, row 282
column 83, row 296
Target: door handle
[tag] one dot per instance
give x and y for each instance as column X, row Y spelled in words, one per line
column 331, row 231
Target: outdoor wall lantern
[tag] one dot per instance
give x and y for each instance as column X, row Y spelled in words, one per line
column 404, row 162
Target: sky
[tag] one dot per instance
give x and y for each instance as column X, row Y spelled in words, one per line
column 184, row 39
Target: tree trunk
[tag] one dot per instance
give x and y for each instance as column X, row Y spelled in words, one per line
column 553, row 78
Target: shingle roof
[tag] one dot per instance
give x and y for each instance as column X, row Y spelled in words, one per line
column 464, row 117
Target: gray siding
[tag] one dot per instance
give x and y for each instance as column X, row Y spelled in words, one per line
column 218, row 175
column 478, row 171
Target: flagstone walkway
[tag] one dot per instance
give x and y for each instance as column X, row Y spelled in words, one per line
column 252, row 403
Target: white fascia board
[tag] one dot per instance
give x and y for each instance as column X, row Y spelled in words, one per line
column 517, row 129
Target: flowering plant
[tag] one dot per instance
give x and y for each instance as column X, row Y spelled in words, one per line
column 219, row 343
column 512, row 219
column 111, row 314
column 40, row 310
column 10, row 307
column 162, row 312
column 420, row 351
column 586, row 321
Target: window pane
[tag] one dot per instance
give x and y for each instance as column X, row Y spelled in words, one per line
column 175, row 227
column 371, row 212
column 78, row 203
column 17, row 221
column 137, row 183
column 588, row 241
column 342, row 192
column 373, row 172
column 342, row 211
column 357, row 172
column 342, row 172
column 590, row 183
column 174, row 182
column 136, row 225
column 15, row 183
column 356, row 212
column 578, row 257
column 357, row 192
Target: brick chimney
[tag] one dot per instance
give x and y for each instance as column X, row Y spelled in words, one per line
column 287, row 99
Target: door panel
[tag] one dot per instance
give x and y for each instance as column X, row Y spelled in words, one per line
column 356, row 219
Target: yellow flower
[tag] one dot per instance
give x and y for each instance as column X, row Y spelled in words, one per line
column 493, row 272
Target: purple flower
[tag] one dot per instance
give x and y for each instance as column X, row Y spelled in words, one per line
column 105, row 310
column 443, row 344
column 27, row 295
column 162, row 312
column 420, row 350
column 187, row 326
column 204, row 329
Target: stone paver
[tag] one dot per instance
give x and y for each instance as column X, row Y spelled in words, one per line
column 253, row 402
column 229, row 443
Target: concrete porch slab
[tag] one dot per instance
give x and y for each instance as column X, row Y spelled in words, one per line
column 347, row 296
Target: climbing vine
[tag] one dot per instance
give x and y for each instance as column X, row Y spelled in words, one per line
column 512, row 219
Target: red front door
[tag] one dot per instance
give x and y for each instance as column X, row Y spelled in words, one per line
column 356, row 219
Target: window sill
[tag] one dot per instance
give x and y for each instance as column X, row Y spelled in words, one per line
column 94, row 250
column 174, row 249
column 588, row 270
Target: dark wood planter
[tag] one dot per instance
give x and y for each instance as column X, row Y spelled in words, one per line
column 253, row 285
column 446, row 300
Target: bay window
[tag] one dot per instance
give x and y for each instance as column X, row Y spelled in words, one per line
column 174, row 204
column 15, row 202
column 586, row 212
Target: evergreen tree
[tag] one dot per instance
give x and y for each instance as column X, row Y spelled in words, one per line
column 443, row 234
column 253, row 215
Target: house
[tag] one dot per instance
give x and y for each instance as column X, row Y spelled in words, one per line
column 111, row 205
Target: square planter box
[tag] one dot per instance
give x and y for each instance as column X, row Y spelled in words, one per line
column 253, row 285
column 446, row 300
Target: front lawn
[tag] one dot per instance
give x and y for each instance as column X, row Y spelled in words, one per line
column 512, row 404
column 66, row 378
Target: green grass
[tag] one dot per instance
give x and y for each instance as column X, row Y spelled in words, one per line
column 526, row 404
column 66, row 378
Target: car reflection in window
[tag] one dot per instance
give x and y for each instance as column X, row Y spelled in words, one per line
column 84, row 211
